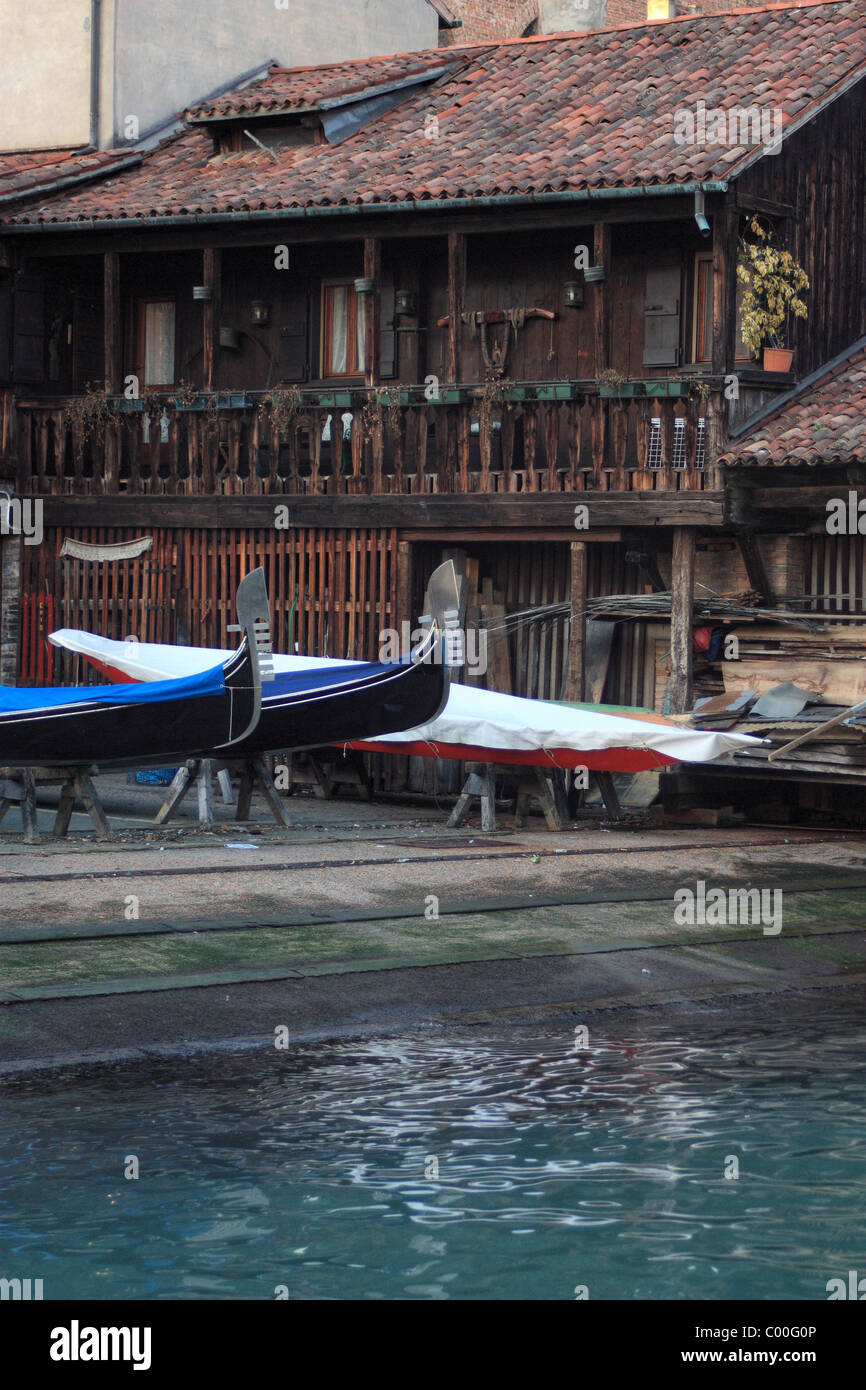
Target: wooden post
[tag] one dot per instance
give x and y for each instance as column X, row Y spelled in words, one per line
column 11, row 580
column 682, row 600
column 456, row 300
column 574, row 687
column 112, row 324
column 212, row 313
column 372, row 270
column 601, row 239
column 404, row 584
column 725, row 224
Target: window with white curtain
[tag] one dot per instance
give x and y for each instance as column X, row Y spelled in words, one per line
column 342, row 330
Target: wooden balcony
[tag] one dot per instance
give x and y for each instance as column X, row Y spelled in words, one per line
column 509, row 438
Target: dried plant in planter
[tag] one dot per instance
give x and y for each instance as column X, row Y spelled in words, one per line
column 773, row 282
column 382, row 411
column 610, row 379
column 279, row 409
column 89, row 414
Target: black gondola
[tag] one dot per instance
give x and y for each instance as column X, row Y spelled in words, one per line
column 223, row 711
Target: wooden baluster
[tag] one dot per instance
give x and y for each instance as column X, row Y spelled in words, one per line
column 599, row 438
column 550, row 437
column 530, row 439
column 173, row 485
column 464, row 439
column 422, row 430
column 111, row 466
column 619, row 445
column 642, row 480
column 507, row 444
column 357, row 442
column 400, row 437
column 253, row 483
column 316, row 453
column 689, row 479
column 42, row 449
column 665, row 481
column 485, row 445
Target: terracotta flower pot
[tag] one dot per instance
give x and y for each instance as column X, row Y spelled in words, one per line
column 778, row 359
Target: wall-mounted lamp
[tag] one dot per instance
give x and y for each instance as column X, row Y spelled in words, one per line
column 406, row 303
column 260, row 313
column 594, row 274
column 572, row 294
column 203, row 292
column 365, row 285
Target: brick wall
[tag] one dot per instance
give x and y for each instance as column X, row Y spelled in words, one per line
column 508, row 19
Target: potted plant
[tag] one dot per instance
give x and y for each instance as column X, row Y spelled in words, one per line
column 774, row 283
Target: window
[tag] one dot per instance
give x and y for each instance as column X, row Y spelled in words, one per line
column 342, row 330
column 156, row 342
column 702, row 345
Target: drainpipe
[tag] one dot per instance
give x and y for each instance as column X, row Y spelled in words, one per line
column 94, row 72
column 703, row 225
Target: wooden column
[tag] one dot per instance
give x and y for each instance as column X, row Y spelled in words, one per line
column 211, row 315
column 682, row 599
column 456, row 300
column 404, row 585
column 11, row 567
column 601, row 305
column 725, row 225
column 112, row 322
column 575, row 683
column 372, row 269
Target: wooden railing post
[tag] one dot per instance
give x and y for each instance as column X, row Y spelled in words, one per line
column 372, row 271
column 574, row 687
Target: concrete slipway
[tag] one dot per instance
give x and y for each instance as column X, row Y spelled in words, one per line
column 176, row 942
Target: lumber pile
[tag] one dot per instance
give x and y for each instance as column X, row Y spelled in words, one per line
column 830, row 662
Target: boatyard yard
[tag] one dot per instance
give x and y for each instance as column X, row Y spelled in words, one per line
column 370, row 916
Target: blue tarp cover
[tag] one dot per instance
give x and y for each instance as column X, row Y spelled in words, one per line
column 14, row 699
column 288, row 683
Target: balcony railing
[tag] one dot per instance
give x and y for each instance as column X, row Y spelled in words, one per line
column 539, row 437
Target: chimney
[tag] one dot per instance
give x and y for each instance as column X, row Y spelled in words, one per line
column 570, row 16
column 661, row 9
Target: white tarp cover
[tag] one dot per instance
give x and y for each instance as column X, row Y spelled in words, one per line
column 474, row 718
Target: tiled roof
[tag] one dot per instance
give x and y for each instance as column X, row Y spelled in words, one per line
column 532, row 116
column 288, row 89
column 24, row 171
column 821, row 421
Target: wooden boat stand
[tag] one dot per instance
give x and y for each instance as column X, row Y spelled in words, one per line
column 532, row 784
column 199, row 772
column 76, row 784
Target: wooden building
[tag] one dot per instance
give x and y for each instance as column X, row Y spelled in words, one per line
column 478, row 300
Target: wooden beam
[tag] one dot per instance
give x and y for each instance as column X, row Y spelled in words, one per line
column 456, row 300
column 373, row 270
column 755, row 567
column 601, row 299
column 682, row 600
column 112, row 322
column 212, row 313
column 521, row 513
column 577, row 623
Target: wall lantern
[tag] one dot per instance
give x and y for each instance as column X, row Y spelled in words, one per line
column 406, row 303
column 595, row 274
column 203, row 292
column 572, row 294
column 260, row 313
column 366, row 285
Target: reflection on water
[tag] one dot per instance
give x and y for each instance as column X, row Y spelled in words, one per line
column 469, row 1165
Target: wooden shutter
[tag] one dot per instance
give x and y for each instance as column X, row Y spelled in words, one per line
column 28, row 350
column 294, row 357
column 662, row 317
column 387, row 336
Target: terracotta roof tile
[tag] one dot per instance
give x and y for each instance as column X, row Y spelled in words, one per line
column 24, row 171
column 821, row 421
column 556, row 113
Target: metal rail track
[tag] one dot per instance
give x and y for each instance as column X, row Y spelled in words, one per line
column 274, row 867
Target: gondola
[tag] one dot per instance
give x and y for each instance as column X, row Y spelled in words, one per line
column 237, row 709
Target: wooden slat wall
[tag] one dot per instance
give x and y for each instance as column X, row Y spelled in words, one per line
column 836, row 573
column 334, row 590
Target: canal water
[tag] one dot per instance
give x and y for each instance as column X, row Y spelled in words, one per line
column 708, row 1157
